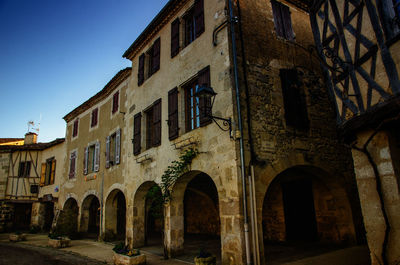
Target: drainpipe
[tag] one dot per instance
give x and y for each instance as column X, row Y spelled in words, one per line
column 232, row 20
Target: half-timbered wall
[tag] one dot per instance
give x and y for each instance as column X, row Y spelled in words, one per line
column 362, row 58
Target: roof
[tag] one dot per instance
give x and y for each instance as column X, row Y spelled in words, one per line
column 105, row 92
column 155, row 25
column 8, row 140
column 37, row 146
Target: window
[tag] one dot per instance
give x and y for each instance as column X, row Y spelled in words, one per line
column 72, row 164
column 24, row 169
column 137, row 137
column 282, row 20
column 75, row 128
column 48, row 172
column 175, row 37
column 194, row 107
column 92, row 158
column 94, row 117
column 153, row 125
column 194, row 22
column 115, row 102
column 173, row 126
column 294, row 99
column 113, row 149
column 149, row 62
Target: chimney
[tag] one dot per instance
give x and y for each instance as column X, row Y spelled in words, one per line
column 30, row 138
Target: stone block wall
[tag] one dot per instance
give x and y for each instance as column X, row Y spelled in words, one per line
column 6, row 214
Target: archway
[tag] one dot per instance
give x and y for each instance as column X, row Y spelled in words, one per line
column 305, row 213
column 67, row 223
column 48, row 215
column 148, row 217
column 115, row 216
column 90, row 216
column 194, row 210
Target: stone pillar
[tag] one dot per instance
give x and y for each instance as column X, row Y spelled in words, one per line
column 369, row 197
column 174, row 228
column 36, row 216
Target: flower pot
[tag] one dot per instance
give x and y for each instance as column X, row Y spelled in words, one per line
column 120, row 259
column 16, row 238
column 212, row 260
column 59, row 243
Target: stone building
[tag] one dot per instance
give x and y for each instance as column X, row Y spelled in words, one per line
column 270, row 168
column 358, row 43
column 30, row 182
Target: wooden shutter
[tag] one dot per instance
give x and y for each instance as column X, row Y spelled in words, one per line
column 108, row 152
column 294, row 101
column 75, row 128
column 276, row 10
column 175, row 37
column 53, row 171
column 97, row 157
column 72, row 165
column 156, row 56
column 137, row 133
column 115, row 102
column 86, row 161
column 173, row 126
column 141, row 70
column 204, row 79
column 117, row 146
column 157, row 123
column 287, row 22
column 43, row 175
column 199, row 17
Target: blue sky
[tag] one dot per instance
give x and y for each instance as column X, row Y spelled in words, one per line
column 55, row 54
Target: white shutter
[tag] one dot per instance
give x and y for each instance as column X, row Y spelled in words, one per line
column 97, row 157
column 85, row 161
column 117, row 146
column 108, row 152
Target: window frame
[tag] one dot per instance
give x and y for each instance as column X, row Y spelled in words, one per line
column 24, row 169
column 282, row 21
column 75, row 128
column 149, row 61
column 115, row 102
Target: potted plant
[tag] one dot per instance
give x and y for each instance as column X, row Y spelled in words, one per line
column 205, row 258
column 56, row 240
column 17, row 236
column 124, row 255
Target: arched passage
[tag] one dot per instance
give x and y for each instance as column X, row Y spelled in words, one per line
column 147, row 215
column 306, row 210
column 67, row 223
column 90, row 216
column 194, row 216
column 115, row 216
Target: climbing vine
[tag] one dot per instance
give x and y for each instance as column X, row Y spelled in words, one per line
column 174, row 171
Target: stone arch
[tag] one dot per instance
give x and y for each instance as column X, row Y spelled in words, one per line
column 327, row 198
column 70, row 196
column 140, row 210
column 90, row 215
column 115, row 215
column 67, row 222
column 175, row 227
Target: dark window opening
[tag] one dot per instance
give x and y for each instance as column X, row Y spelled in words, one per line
column 175, row 37
column 94, row 117
column 24, row 169
column 149, row 62
column 75, row 129
column 115, row 103
column 294, row 100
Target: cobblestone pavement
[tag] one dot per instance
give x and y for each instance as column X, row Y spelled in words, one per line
column 34, row 250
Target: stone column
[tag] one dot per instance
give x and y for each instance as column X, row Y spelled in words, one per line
column 174, row 228
column 369, row 197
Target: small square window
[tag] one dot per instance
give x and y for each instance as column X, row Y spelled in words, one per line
column 24, row 169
